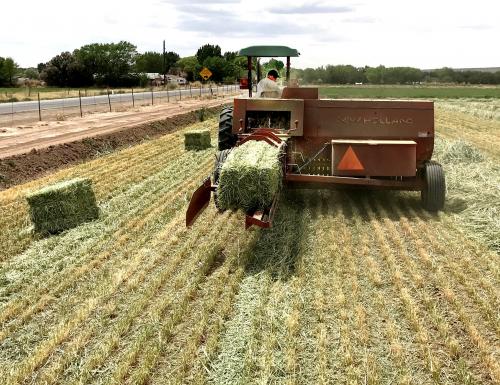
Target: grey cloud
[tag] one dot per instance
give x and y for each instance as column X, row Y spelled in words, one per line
column 311, row 8
column 231, row 27
column 198, row 10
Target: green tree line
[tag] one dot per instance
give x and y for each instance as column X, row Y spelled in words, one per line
column 119, row 64
column 348, row 74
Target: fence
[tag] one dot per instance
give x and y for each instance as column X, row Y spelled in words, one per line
column 15, row 113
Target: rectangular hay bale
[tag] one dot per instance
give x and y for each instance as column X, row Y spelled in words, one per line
column 62, row 206
column 197, row 139
column 250, row 177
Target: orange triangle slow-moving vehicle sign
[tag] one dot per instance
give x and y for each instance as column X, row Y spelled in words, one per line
column 350, row 161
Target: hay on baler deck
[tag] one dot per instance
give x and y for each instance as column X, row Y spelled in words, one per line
column 250, row 177
column 197, row 139
column 62, row 206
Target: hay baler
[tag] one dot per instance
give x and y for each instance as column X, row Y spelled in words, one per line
column 331, row 143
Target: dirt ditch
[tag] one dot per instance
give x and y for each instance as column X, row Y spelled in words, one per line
column 17, row 169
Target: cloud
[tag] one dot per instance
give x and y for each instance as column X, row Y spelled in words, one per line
column 477, row 27
column 311, row 8
column 229, row 26
column 360, row 20
column 213, row 2
column 203, row 11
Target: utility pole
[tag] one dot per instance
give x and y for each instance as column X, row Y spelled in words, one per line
column 164, row 65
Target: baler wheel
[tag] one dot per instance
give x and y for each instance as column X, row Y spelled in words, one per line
column 226, row 137
column 434, row 191
column 220, row 158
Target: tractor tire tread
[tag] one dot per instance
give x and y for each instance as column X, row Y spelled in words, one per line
column 226, row 137
column 434, row 191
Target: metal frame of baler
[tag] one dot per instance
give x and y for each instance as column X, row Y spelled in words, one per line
column 292, row 178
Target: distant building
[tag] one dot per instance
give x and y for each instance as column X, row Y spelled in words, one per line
column 156, row 79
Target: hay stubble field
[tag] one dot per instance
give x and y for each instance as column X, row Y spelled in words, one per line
column 347, row 288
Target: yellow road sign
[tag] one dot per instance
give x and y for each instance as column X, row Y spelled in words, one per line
column 205, row 73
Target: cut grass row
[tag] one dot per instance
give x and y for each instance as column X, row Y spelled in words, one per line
column 110, row 175
column 360, row 288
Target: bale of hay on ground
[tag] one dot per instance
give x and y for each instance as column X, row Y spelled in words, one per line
column 62, row 206
column 250, row 177
column 197, row 139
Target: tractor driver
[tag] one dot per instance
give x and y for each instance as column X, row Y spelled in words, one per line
column 267, row 87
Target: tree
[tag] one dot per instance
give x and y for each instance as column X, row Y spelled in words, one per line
column 149, row 62
column 375, row 75
column 31, row 73
column 171, row 58
column 188, row 65
column 8, row 69
column 66, row 70
column 218, row 66
column 273, row 64
column 207, row 51
column 110, row 64
column 153, row 62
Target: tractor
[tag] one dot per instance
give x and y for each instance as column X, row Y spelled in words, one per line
column 330, row 143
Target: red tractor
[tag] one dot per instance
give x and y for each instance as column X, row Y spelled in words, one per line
column 377, row 144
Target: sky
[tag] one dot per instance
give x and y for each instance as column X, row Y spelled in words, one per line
column 424, row 34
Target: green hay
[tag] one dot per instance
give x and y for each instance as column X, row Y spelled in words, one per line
column 197, row 139
column 250, row 177
column 62, row 206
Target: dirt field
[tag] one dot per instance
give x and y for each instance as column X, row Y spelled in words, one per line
column 347, row 288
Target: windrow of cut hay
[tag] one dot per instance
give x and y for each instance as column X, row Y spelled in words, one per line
column 473, row 188
column 250, row 177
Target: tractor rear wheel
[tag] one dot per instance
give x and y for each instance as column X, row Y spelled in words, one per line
column 220, row 158
column 434, row 191
column 226, row 137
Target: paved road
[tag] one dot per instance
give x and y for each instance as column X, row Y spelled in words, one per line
column 9, row 108
column 16, row 140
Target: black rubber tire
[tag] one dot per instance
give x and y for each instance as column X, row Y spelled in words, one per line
column 434, row 191
column 220, row 158
column 226, row 137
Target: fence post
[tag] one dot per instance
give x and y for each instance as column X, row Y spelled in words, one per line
column 180, row 93
column 201, row 85
column 80, row 99
column 190, row 92
column 133, row 100
column 152, row 99
column 109, row 101
column 39, row 108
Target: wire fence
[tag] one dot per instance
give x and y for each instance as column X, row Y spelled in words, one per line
column 16, row 113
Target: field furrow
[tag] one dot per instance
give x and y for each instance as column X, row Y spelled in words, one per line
column 347, row 287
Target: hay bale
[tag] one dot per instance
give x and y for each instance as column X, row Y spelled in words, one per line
column 250, row 177
column 197, row 139
column 62, row 206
